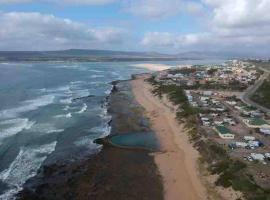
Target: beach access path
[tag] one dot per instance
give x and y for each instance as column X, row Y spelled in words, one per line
column 177, row 162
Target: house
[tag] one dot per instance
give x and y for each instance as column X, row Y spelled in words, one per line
column 218, row 122
column 267, row 155
column 257, row 156
column 249, row 138
column 253, row 144
column 224, row 132
column 207, row 93
column 232, row 103
column 204, row 98
column 265, row 131
column 241, row 144
column 256, row 123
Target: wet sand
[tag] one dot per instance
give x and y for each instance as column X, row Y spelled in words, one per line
column 177, row 163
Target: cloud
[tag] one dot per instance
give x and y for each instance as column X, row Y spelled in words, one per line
column 35, row 31
column 158, row 9
column 232, row 25
column 240, row 13
column 206, row 41
column 169, row 40
column 62, row 2
column 152, row 8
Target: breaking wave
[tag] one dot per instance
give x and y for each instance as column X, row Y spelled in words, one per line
column 25, row 166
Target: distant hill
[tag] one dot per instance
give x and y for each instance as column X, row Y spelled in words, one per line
column 82, row 55
column 108, row 55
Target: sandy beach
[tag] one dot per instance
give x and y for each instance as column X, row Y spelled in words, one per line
column 177, row 163
column 153, row 67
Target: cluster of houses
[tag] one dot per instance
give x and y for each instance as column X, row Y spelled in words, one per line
column 249, row 142
column 225, row 116
column 231, row 72
column 252, row 118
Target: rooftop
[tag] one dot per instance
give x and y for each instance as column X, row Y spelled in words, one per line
column 258, row 121
column 223, row 130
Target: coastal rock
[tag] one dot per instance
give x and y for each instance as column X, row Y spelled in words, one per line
column 113, row 173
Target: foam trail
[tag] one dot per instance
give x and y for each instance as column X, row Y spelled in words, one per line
column 84, row 108
column 97, row 76
column 15, row 126
column 25, row 166
column 66, row 101
column 69, row 115
column 46, row 128
column 27, row 106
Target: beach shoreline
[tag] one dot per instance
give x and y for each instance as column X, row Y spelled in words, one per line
column 177, row 163
column 153, row 67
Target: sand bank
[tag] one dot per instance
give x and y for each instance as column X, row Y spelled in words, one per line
column 177, row 163
column 153, row 67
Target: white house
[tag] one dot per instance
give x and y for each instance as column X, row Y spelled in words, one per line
column 257, row 156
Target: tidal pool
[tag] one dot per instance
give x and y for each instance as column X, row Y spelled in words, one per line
column 146, row 141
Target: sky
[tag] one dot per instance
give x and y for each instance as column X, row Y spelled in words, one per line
column 167, row 26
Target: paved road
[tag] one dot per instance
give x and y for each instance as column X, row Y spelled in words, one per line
column 245, row 97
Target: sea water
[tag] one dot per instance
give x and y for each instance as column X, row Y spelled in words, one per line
column 51, row 112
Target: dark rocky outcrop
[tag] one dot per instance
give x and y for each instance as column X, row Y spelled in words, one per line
column 113, row 173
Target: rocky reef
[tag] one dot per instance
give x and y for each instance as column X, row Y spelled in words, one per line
column 113, row 173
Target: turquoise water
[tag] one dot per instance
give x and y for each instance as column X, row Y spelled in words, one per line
column 136, row 140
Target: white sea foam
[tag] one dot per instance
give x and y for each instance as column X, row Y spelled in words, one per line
column 97, row 76
column 103, row 131
column 46, row 128
column 27, row 106
column 96, row 71
column 66, row 108
column 55, row 131
column 72, row 67
column 24, row 166
column 68, row 115
column 83, row 109
column 107, row 92
column 66, row 101
column 14, row 126
column 86, row 141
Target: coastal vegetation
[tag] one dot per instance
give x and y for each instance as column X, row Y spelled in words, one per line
column 185, row 113
column 262, row 95
column 231, row 172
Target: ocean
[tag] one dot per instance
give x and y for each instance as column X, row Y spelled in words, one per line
column 51, row 112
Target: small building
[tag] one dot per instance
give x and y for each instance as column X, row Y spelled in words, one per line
column 257, row 156
column 253, row 144
column 241, row 144
column 232, row 103
column 207, row 93
column 265, row 131
column 224, row 132
column 256, row 123
column 249, row 138
column 267, row 155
